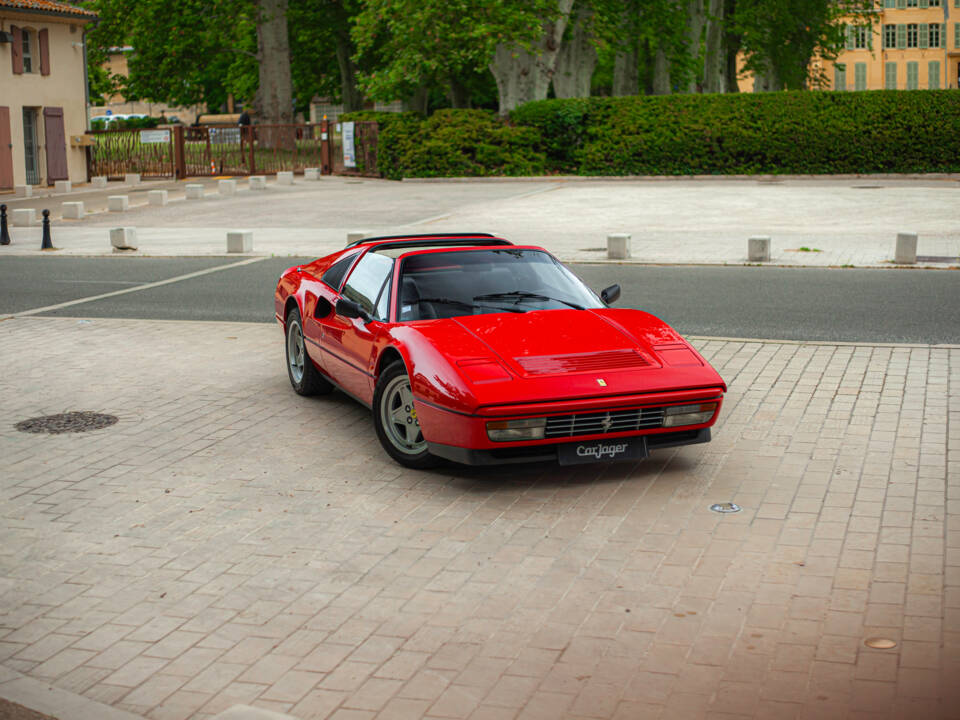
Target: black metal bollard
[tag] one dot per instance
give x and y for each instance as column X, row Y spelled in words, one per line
column 46, row 243
column 4, row 233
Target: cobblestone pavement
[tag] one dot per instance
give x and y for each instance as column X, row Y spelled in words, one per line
column 830, row 221
column 228, row 541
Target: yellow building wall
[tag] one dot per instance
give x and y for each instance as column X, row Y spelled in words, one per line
column 64, row 87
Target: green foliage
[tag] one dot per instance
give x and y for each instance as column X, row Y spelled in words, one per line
column 786, row 132
column 453, row 143
column 125, row 123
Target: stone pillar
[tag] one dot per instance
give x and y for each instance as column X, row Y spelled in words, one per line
column 311, row 174
column 194, row 191
column 99, row 182
column 132, row 178
column 72, row 211
column 118, row 203
column 23, row 191
column 227, row 187
column 23, row 217
column 758, row 249
column 240, row 241
column 284, row 177
column 258, row 182
column 618, row 246
column 62, row 186
column 123, row 238
column 157, row 197
column 906, row 250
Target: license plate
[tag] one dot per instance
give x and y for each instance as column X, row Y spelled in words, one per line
column 602, row 451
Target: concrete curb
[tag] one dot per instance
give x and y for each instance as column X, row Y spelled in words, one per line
column 45, row 698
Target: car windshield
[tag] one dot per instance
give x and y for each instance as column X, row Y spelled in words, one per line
column 496, row 280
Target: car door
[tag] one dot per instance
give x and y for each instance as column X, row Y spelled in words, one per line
column 348, row 343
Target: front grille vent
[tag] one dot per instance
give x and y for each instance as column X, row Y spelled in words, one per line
column 599, row 423
column 581, row 362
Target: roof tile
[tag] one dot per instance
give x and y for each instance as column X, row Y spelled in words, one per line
column 47, row 6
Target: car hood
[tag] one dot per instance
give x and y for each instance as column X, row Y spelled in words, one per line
column 560, row 354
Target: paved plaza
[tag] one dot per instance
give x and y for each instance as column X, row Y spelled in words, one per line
column 229, row 542
column 836, row 221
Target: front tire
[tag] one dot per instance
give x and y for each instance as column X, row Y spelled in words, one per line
column 395, row 420
column 304, row 377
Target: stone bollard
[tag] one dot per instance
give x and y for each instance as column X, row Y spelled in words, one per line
column 99, row 182
column 194, row 191
column 284, row 177
column 4, row 232
column 123, row 238
column 157, row 197
column 132, row 178
column 227, row 187
column 72, row 211
column 23, row 191
column 118, row 203
column 311, row 174
column 46, row 242
column 240, row 241
column 62, row 186
column 258, row 182
column 906, row 250
column 355, row 235
column 758, row 249
column 24, row 217
column 618, row 246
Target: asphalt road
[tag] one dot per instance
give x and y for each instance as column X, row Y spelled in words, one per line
column 899, row 306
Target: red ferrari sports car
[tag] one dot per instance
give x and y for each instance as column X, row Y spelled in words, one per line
column 470, row 348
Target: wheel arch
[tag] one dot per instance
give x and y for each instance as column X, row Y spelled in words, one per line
column 291, row 303
column 389, row 356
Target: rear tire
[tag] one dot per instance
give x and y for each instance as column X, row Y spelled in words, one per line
column 304, row 377
column 395, row 420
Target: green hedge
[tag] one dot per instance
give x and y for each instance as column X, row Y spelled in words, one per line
column 907, row 131
column 454, row 143
column 786, row 132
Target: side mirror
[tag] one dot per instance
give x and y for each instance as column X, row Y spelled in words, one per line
column 609, row 295
column 350, row 309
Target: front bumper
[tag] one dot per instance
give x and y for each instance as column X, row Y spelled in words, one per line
column 548, row 453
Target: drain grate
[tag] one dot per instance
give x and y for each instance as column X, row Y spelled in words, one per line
column 69, row 422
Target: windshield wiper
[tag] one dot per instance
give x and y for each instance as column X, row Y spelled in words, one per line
column 522, row 295
column 465, row 305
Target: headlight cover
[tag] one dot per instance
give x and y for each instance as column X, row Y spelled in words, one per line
column 688, row 414
column 513, row 430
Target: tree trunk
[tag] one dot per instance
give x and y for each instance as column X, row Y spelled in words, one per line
column 523, row 76
column 275, row 94
column 418, row 101
column 459, row 94
column 626, row 73
column 695, row 22
column 715, row 61
column 576, row 60
column 661, row 73
column 349, row 92
column 767, row 81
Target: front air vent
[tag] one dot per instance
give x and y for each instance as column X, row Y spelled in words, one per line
column 581, row 362
column 601, row 423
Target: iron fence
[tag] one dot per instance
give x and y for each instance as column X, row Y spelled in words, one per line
column 114, row 153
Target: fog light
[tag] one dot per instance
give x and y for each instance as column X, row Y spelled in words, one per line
column 511, row 430
column 688, row 414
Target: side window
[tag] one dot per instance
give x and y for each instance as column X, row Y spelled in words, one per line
column 27, row 49
column 368, row 283
column 334, row 274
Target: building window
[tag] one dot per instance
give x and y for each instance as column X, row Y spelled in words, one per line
column 889, row 36
column 26, row 48
column 934, row 3
column 839, row 76
column 890, row 76
column 913, row 75
column 934, row 34
column 956, row 34
column 889, row 4
column 860, row 76
column 912, row 3
column 860, row 37
column 933, row 70
column 913, row 35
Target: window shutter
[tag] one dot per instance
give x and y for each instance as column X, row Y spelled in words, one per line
column 933, row 68
column 943, row 35
column 912, row 73
column 901, row 4
column 924, row 3
column 839, row 77
column 16, row 50
column 956, row 35
column 889, row 4
column 890, row 76
column 850, row 40
column 901, row 36
column 860, row 76
column 44, row 37
column 924, row 36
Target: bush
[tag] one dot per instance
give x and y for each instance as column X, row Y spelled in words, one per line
column 787, row 132
column 454, row 143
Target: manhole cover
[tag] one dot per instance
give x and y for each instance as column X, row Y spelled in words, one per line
column 69, row 422
column 880, row 643
column 727, row 507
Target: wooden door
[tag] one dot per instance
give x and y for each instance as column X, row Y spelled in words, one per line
column 6, row 151
column 56, row 141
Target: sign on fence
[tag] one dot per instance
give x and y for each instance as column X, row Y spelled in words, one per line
column 349, row 151
column 148, row 137
column 225, row 135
